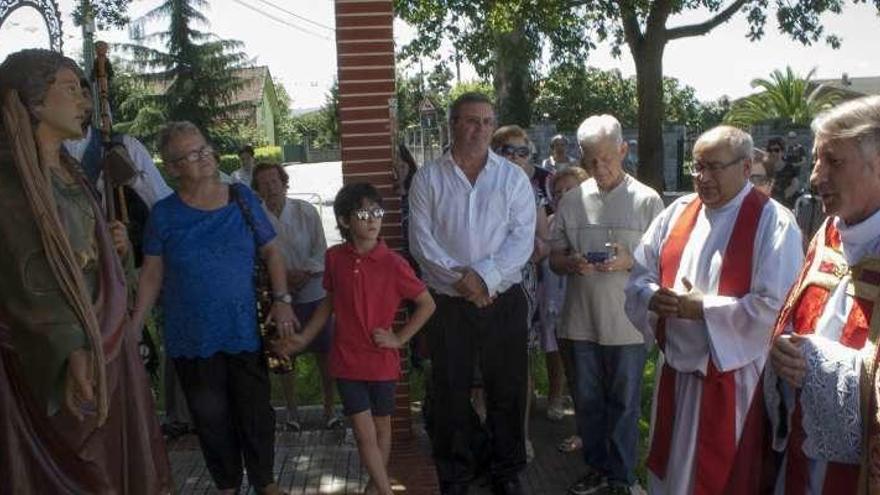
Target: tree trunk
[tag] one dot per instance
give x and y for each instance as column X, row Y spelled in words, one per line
column 649, row 87
column 513, row 81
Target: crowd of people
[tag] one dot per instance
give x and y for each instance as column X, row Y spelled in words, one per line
column 766, row 380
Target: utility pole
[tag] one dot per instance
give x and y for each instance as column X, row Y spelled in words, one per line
column 457, row 66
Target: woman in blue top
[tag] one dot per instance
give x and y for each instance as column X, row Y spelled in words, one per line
column 200, row 251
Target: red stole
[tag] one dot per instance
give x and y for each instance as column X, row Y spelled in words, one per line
column 823, row 268
column 716, row 435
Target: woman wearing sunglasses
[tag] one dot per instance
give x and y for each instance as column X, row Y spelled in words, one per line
column 512, row 143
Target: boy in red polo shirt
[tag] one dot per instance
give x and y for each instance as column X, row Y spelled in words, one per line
column 365, row 283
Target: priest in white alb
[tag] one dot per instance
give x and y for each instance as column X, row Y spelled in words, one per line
column 822, row 387
column 709, row 277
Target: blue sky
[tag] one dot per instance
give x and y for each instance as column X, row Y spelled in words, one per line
column 298, row 47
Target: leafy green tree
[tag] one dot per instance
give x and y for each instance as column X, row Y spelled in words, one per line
column 135, row 109
column 786, row 98
column 319, row 128
column 106, row 13
column 502, row 40
column 572, row 28
column 192, row 76
column 470, row 87
column 230, row 135
column 330, row 115
column 410, row 94
column 282, row 115
column 571, row 92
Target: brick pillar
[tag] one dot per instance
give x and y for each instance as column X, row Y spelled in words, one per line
column 365, row 57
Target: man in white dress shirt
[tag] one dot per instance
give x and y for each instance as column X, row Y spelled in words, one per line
column 709, row 277
column 822, row 386
column 472, row 228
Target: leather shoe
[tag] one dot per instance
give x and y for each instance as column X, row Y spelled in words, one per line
column 508, row 487
column 454, row 488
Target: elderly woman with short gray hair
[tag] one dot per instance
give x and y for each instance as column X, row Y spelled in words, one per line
column 200, row 247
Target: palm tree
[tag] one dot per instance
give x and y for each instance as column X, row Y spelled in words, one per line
column 786, row 97
column 193, row 79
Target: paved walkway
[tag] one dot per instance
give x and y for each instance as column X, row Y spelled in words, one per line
column 319, row 461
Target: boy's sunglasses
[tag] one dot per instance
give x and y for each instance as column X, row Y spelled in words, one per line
column 517, row 151
column 365, row 214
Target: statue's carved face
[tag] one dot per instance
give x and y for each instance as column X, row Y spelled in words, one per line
column 63, row 109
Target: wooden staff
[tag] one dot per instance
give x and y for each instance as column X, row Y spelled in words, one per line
column 112, row 187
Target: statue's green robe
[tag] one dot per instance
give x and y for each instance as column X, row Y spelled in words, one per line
column 43, row 448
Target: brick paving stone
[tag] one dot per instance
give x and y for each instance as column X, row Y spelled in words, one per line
column 319, row 461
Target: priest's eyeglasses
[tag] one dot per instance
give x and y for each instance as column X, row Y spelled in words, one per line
column 365, row 214
column 701, row 168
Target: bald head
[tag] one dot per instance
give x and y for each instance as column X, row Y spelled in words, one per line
column 722, row 162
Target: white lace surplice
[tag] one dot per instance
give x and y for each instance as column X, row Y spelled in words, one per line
column 830, row 400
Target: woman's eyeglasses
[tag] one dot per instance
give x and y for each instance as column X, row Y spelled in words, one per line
column 195, row 155
column 365, row 214
column 517, row 151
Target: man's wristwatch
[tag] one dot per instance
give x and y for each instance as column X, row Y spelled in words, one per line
column 282, row 297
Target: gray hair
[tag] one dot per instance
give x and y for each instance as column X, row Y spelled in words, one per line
column 855, row 119
column 598, row 128
column 171, row 131
column 738, row 140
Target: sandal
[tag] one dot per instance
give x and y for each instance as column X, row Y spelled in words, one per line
column 555, row 410
column 570, row 444
column 333, row 422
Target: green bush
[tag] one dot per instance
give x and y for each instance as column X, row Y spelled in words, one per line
column 228, row 163
column 268, row 153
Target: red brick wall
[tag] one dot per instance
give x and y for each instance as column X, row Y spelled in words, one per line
column 365, row 57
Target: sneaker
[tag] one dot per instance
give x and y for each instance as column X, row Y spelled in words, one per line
column 614, row 490
column 508, row 487
column 570, row 444
column 589, row 483
column 555, row 410
column 333, row 422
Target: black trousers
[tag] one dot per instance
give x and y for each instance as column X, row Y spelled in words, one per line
column 229, row 400
column 461, row 335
